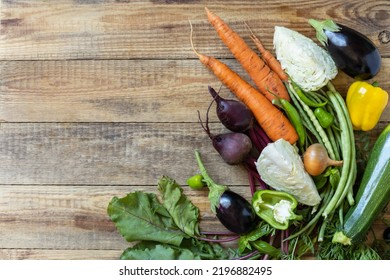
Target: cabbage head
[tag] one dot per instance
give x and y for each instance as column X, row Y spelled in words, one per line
column 307, row 64
column 281, row 167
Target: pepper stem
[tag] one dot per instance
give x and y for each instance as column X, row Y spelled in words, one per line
column 320, row 26
column 375, row 84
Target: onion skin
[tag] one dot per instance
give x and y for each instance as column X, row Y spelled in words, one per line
column 316, row 160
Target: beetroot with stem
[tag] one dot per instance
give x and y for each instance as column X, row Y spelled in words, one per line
column 233, row 114
column 234, row 147
column 260, row 140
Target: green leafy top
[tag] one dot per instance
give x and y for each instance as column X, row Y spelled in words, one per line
column 215, row 190
column 320, row 26
column 165, row 230
column 140, row 216
column 157, row 251
column 263, row 229
column 184, row 214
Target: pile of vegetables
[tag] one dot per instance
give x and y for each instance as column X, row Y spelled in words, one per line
column 295, row 135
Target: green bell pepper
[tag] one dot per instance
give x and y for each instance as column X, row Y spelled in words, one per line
column 196, row 182
column 325, row 118
column 275, row 207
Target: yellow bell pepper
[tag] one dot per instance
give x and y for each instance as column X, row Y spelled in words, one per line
column 365, row 103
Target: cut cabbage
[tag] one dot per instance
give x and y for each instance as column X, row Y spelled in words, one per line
column 281, row 167
column 307, row 64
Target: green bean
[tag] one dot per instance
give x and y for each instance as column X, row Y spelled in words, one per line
column 341, row 215
column 295, row 120
column 328, row 193
column 316, row 124
column 353, row 168
column 317, row 96
column 333, row 141
column 321, row 232
column 333, row 133
column 347, row 153
column 305, row 119
column 266, row 248
column 304, row 98
column 337, row 136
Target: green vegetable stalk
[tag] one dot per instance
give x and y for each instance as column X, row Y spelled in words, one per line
column 306, row 99
column 215, row 190
column 294, row 118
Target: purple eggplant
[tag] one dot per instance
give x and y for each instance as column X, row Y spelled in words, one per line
column 235, row 213
column 354, row 53
column 386, row 235
column 231, row 209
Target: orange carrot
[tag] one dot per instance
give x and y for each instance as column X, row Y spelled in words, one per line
column 270, row 118
column 265, row 80
column 274, row 123
column 269, row 58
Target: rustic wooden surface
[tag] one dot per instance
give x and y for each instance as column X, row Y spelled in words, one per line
column 98, row 98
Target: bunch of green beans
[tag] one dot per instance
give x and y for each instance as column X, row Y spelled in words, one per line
column 339, row 141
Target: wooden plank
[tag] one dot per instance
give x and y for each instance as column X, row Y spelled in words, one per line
column 119, row 90
column 107, row 153
column 46, row 30
column 99, row 99
column 68, row 218
column 75, row 217
column 39, row 254
column 105, row 90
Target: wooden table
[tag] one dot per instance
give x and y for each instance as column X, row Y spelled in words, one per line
column 99, row 98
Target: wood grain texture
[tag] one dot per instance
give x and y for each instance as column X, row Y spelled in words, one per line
column 119, row 90
column 105, row 153
column 109, row 154
column 68, row 29
column 75, row 217
column 70, row 222
column 99, row 98
column 39, row 254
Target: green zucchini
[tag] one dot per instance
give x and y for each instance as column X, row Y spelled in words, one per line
column 373, row 193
